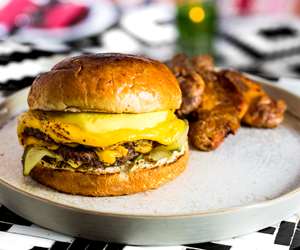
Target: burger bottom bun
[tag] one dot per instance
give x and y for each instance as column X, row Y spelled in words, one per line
column 88, row 184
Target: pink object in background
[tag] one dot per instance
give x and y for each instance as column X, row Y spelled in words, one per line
column 12, row 11
column 274, row 7
column 63, row 15
column 244, row 7
column 16, row 13
column 258, row 7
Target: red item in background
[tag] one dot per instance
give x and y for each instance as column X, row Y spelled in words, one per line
column 63, row 15
column 297, row 8
column 14, row 9
column 244, row 7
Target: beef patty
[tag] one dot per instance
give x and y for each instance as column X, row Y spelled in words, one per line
column 86, row 155
column 82, row 154
column 38, row 134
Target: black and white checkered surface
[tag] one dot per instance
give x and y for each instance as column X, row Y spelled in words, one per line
column 17, row 233
column 268, row 45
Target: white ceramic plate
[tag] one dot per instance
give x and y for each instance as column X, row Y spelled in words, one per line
column 250, row 182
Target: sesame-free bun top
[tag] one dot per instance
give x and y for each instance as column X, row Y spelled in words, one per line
column 108, row 83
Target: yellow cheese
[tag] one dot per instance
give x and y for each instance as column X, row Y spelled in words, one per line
column 143, row 147
column 110, row 155
column 33, row 141
column 30, row 140
column 107, row 156
column 103, row 130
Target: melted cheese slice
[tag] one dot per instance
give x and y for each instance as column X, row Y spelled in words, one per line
column 102, row 130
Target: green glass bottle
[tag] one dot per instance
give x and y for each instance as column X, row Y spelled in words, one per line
column 197, row 24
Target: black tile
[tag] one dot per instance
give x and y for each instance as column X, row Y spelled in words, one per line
column 16, row 84
column 86, row 42
column 96, row 245
column 268, row 230
column 209, row 246
column 256, row 54
column 79, row 244
column 244, row 47
column 39, row 248
column 20, row 56
column 296, row 240
column 5, row 226
column 10, row 217
column 278, row 32
column 285, row 233
column 114, row 246
column 59, row 245
column 295, row 68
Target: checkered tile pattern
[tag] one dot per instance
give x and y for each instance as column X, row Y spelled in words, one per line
column 17, row 233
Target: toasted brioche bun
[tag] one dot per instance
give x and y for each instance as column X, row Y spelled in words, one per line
column 108, row 184
column 108, row 83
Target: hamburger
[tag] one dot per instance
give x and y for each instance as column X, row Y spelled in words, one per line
column 104, row 125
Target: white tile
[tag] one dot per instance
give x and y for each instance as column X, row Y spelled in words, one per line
column 37, row 231
column 10, row 241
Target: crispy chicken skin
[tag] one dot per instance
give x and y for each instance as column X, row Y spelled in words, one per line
column 220, row 101
column 219, row 113
column 203, row 62
column 219, row 91
column 262, row 111
column 191, row 84
column 210, row 128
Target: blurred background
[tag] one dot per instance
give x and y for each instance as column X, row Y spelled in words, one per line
column 261, row 37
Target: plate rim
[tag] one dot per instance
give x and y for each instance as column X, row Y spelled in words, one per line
column 210, row 212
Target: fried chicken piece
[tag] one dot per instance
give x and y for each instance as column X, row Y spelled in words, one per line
column 220, row 111
column 191, row 84
column 213, row 126
column 262, row 111
column 209, row 99
column 216, row 104
column 220, row 91
column 203, row 62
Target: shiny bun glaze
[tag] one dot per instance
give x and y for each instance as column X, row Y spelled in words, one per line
column 108, row 83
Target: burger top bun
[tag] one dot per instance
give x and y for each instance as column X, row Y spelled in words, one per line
column 107, row 83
